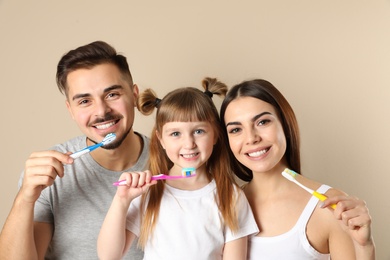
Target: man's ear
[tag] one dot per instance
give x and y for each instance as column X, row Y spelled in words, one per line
column 136, row 94
column 69, row 108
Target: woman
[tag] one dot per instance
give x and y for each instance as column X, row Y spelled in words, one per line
column 264, row 139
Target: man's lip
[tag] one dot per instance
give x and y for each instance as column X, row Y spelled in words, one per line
column 105, row 125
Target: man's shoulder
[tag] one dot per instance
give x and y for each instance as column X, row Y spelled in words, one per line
column 145, row 138
column 73, row 144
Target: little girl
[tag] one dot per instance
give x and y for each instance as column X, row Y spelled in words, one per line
column 205, row 216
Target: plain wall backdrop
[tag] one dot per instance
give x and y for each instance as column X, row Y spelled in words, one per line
column 331, row 59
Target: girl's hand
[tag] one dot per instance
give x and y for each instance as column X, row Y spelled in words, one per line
column 137, row 183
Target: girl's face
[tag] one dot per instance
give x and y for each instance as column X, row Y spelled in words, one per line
column 188, row 144
column 256, row 135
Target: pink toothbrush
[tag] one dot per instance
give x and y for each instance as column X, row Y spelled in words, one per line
column 185, row 173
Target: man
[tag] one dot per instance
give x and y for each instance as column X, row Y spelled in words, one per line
column 62, row 202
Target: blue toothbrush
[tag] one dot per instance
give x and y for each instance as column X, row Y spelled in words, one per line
column 108, row 139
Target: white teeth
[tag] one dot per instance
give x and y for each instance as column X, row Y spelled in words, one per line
column 105, row 126
column 189, row 155
column 258, row 153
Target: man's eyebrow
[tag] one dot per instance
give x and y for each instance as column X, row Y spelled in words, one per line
column 252, row 120
column 78, row 96
column 113, row 87
column 84, row 95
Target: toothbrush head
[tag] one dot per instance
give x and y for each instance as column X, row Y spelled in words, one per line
column 289, row 172
column 188, row 172
column 109, row 138
column 288, row 176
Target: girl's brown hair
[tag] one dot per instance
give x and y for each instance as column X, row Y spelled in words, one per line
column 187, row 105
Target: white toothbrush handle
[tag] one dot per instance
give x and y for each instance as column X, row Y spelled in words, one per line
column 79, row 153
column 85, row 150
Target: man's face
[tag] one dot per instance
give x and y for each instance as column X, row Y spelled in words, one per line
column 101, row 101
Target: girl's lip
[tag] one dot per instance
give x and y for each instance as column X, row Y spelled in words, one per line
column 189, row 156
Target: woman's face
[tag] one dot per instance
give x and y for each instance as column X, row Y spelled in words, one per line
column 256, row 135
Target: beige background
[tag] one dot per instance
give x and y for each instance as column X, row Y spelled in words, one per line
column 331, row 59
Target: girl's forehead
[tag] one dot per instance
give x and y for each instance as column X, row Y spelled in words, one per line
column 189, row 124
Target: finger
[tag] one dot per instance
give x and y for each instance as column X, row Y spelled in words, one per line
column 356, row 217
column 47, row 165
column 135, row 176
column 148, row 176
column 143, row 176
column 62, row 157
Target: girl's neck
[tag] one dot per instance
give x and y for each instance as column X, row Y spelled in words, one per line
column 191, row 183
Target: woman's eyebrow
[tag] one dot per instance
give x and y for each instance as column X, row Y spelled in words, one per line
column 252, row 120
column 260, row 115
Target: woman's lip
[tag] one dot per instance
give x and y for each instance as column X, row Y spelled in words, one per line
column 255, row 153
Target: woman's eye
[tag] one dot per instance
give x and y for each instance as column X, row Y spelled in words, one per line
column 263, row 122
column 233, row 130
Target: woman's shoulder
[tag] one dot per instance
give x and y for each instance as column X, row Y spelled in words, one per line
column 315, row 185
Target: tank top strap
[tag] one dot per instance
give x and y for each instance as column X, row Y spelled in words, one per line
column 311, row 205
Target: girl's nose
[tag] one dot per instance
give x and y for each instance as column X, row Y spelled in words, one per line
column 189, row 142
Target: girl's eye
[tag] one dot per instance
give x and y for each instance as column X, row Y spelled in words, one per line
column 199, row 131
column 175, row 134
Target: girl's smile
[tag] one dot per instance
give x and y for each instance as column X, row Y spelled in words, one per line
column 188, row 144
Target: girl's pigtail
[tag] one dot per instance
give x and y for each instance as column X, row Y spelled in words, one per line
column 213, row 86
column 147, row 101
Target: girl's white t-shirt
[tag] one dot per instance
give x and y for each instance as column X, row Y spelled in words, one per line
column 190, row 225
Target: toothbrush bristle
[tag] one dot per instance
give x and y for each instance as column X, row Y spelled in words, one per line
column 109, row 138
column 291, row 172
column 187, row 172
column 287, row 176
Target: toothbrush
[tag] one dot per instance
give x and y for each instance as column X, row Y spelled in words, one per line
column 290, row 175
column 185, row 173
column 108, row 139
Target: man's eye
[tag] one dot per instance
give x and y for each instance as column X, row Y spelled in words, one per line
column 111, row 95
